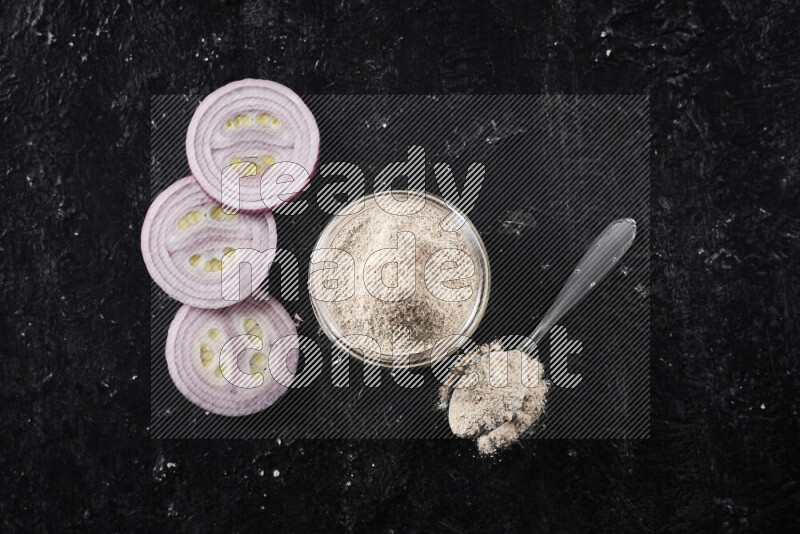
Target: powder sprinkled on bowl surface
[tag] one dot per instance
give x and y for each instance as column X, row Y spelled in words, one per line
column 394, row 303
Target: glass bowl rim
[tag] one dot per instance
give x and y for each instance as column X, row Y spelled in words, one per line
column 469, row 326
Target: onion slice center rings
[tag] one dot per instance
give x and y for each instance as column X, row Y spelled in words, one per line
column 194, row 343
column 250, row 125
column 190, row 245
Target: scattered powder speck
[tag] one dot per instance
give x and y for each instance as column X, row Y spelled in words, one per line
column 506, row 395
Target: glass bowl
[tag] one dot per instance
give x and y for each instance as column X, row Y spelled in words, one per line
column 452, row 343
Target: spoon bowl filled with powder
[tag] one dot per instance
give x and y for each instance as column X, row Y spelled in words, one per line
column 494, row 395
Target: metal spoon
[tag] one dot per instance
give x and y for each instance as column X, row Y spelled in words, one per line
column 601, row 256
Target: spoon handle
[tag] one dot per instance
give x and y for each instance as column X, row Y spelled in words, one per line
column 601, row 256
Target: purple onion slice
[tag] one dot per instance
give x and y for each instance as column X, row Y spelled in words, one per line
column 244, row 131
column 188, row 242
column 211, row 364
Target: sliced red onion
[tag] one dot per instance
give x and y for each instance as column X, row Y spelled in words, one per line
column 242, row 130
column 237, row 380
column 188, row 242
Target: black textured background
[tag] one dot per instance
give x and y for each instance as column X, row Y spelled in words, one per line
column 75, row 86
